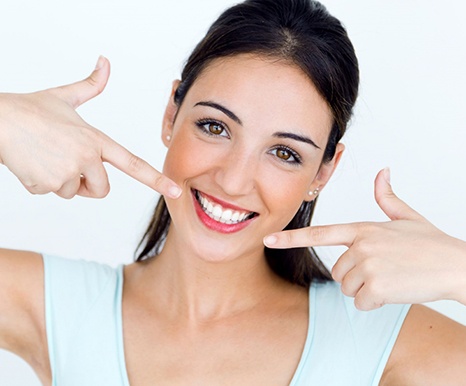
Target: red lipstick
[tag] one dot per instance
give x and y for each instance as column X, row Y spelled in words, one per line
column 217, row 226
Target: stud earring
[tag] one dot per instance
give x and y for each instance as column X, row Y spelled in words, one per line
column 168, row 138
column 314, row 192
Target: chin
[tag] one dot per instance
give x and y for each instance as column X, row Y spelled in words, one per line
column 219, row 250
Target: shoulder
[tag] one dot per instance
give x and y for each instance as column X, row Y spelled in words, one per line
column 74, row 285
column 82, row 302
column 355, row 344
column 431, row 349
column 72, row 271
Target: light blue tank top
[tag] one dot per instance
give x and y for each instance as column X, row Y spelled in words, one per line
column 344, row 346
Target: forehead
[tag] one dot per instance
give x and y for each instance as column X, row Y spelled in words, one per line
column 265, row 92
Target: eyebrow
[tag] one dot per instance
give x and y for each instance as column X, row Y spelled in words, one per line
column 296, row 137
column 233, row 116
column 223, row 109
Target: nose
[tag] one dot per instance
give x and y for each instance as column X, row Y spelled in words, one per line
column 236, row 174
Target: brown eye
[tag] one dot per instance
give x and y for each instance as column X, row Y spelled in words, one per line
column 287, row 155
column 283, row 154
column 215, row 128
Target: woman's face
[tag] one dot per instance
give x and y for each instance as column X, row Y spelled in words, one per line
column 246, row 147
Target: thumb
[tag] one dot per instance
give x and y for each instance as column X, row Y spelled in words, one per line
column 76, row 94
column 391, row 205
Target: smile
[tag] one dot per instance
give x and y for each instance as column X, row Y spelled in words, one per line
column 220, row 216
column 223, row 215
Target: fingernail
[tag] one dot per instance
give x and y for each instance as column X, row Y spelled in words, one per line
column 174, row 192
column 270, row 240
column 386, row 174
column 100, row 63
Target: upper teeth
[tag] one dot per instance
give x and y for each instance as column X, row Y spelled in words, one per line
column 218, row 213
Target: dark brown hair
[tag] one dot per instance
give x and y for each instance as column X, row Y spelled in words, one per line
column 302, row 33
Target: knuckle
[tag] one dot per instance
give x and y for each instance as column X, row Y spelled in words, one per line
column 370, row 286
column 36, row 188
column 31, row 189
column 106, row 191
column 346, row 288
column 288, row 238
column 69, row 171
column 363, row 301
column 103, row 192
column 65, row 195
column 54, row 185
column 368, row 268
column 379, row 198
column 135, row 164
column 364, row 248
column 373, row 288
column 384, row 196
column 336, row 273
column 317, row 234
column 95, row 84
column 364, row 229
column 29, row 185
column 361, row 304
column 89, row 156
column 158, row 181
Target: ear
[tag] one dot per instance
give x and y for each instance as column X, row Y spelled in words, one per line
column 169, row 115
column 325, row 172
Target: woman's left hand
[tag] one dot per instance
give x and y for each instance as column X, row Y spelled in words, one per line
column 406, row 260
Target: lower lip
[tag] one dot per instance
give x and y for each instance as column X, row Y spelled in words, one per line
column 216, row 225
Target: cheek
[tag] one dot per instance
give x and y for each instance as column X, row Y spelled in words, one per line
column 178, row 161
column 186, row 157
column 283, row 197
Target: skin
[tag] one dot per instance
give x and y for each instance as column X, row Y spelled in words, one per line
column 240, row 166
column 431, row 348
column 212, row 287
column 73, row 165
column 208, row 294
column 197, row 293
column 383, row 253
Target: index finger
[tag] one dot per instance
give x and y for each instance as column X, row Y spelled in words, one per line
column 313, row 236
column 140, row 170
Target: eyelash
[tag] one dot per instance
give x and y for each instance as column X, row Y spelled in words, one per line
column 297, row 160
column 201, row 123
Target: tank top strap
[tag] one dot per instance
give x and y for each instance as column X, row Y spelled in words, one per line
column 83, row 322
column 346, row 346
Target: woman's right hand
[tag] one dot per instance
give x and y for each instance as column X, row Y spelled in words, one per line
column 49, row 147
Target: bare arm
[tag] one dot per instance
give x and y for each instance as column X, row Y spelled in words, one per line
column 22, row 309
column 430, row 350
column 405, row 260
column 50, row 148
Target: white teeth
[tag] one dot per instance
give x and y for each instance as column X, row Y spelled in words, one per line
column 226, row 216
column 216, row 211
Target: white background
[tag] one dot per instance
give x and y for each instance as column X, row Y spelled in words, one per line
column 410, row 116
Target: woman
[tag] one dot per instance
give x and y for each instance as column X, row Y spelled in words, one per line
column 252, row 131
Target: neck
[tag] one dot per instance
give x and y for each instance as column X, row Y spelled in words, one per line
column 191, row 288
